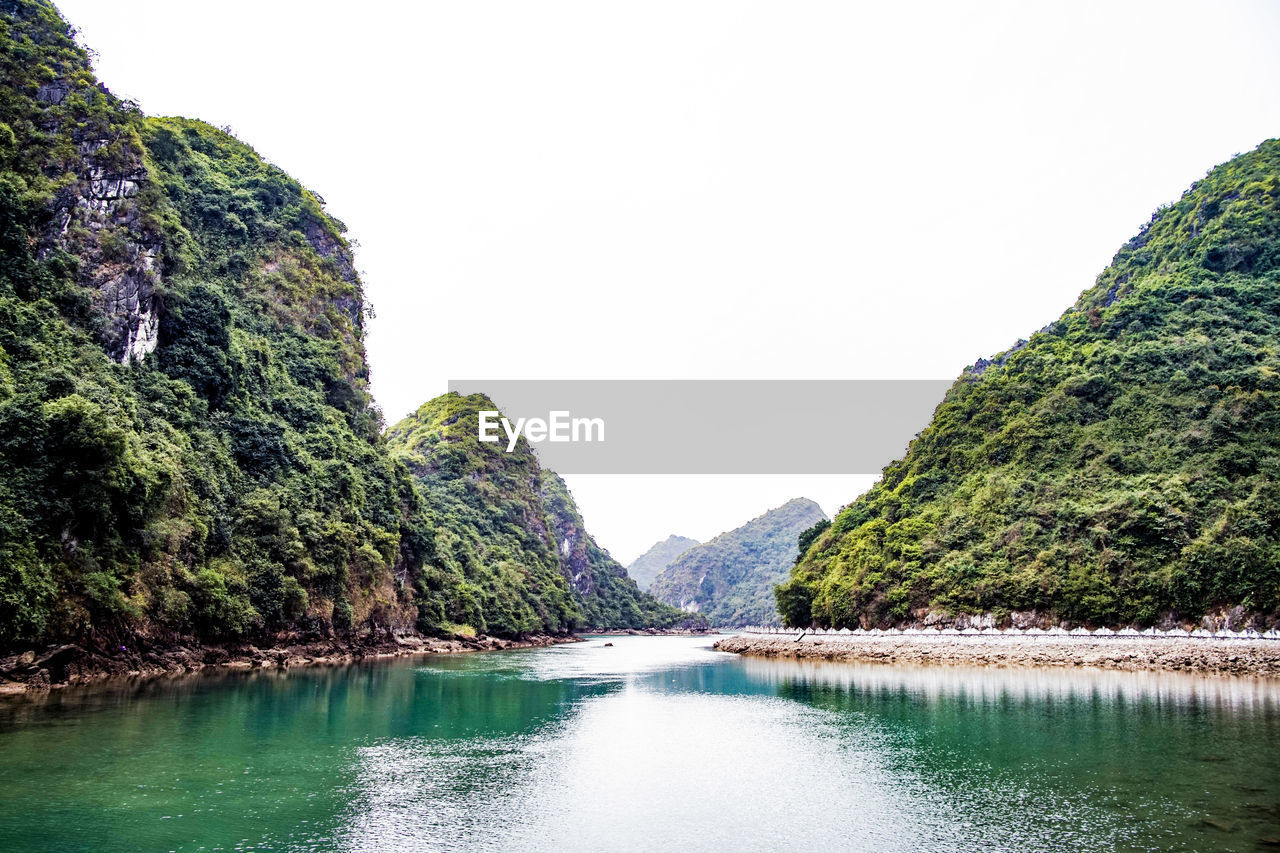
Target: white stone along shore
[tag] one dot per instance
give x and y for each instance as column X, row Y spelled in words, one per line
column 1202, row 633
column 1203, row 651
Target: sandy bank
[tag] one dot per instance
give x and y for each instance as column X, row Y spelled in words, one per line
column 1203, row 655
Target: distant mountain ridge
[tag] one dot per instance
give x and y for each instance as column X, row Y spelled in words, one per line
column 731, row 578
column 650, row 564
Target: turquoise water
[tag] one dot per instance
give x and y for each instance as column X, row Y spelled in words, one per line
column 656, row 743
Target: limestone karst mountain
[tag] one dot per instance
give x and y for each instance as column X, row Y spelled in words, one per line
column 730, row 579
column 511, row 531
column 1121, row 466
column 650, row 564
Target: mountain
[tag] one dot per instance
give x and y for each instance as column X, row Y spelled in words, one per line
column 511, row 531
column 650, row 564
column 730, row 579
column 188, row 448
column 186, row 440
column 1122, row 466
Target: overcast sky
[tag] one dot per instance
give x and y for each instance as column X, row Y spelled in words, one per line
column 567, row 190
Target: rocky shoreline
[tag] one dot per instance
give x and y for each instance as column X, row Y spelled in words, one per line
column 72, row 665
column 1198, row 655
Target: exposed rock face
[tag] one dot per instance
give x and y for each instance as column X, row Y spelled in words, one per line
column 573, row 554
column 328, row 246
column 53, row 93
column 597, row 580
column 125, row 276
column 99, row 219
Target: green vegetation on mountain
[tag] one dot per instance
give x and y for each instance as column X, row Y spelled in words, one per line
column 185, row 438
column 508, row 534
column 1122, row 466
column 731, row 578
column 650, row 564
column 187, row 445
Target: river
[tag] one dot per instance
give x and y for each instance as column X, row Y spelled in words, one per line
column 653, row 743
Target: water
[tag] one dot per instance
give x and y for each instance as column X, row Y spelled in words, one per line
column 656, row 743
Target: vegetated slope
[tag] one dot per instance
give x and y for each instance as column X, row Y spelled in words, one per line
column 511, row 530
column 187, row 445
column 1122, row 466
column 186, row 442
column 650, row 564
column 731, row 578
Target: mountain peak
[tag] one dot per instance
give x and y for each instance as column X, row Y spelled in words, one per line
column 652, row 562
column 730, row 579
column 1119, row 467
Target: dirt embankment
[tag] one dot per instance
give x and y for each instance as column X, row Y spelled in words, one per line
column 67, row 665
column 1202, row 655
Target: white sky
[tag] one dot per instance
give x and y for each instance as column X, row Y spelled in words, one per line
column 570, row 190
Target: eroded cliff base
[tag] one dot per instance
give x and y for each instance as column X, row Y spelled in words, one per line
column 71, row 665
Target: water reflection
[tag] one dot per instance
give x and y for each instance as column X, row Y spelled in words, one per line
column 241, row 761
column 648, row 744
column 681, row 747
column 985, row 685
column 635, row 770
column 598, row 659
column 1059, row 759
